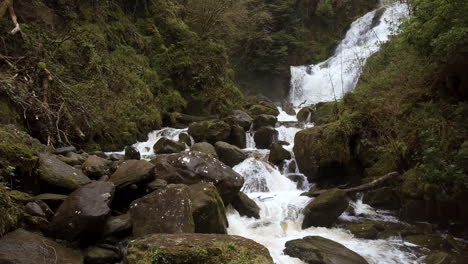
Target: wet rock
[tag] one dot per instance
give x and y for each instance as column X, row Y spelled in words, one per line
column 242, row 119
column 156, row 185
column 195, row 167
column 100, row 255
column 196, row 249
column 246, row 206
column 64, row 150
column 319, row 250
column 23, row 247
column 59, row 174
column 167, row 146
column 384, row 198
column 289, row 108
column 39, row 208
column 36, row 224
column 208, row 210
column 99, row 153
column 209, row 131
column 229, row 154
column 185, row 138
column 117, row 157
column 51, row 199
column 167, row 210
column 366, row 230
column 72, row 159
column 431, row 241
column 264, row 121
column 263, row 108
column 204, row 147
column 438, row 257
column 297, row 178
column 325, row 209
column 83, row 214
column 237, row 137
column 305, row 114
column 117, row 224
column 265, row 136
column 95, row 166
column 131, row 153
column 132, row 172
column 278, row 154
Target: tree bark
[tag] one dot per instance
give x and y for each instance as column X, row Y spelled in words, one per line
column 375, row 183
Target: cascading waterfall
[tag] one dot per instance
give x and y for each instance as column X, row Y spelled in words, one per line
column 331, row 79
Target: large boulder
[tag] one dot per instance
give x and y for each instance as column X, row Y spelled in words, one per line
column 59, row 174
column 265, row 136
column 263, row 108
column 168, row 210
column 185, row 139
column 167, row 146
column 210, row 131
column 83, row 214
column 204, row 147
column 325, row 112
column 23, row 247
column 117, row 224
column 195, row 167
column 366, row 230
column 319, row 250
column 264, row 120
column 208, row 209
column 325, row 209
column 305, row 114
column 323, row 154
column 246, row 206
column 278, row 154
column 237, row 137
column 132, row 172
column 229, row 154
column 242, row 119
column 196, row 249
column 95, row 166
column 289, row 108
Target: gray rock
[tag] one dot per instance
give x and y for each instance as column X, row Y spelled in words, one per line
column 237, row 137
column 242, row 119
column 208, row 210
column 325, row 209
column 132, row 172
column 278, row 154
column 289, row 108
column 167, row 146
column 117, row 224
column 319, row 250
column 95, row 166
column 246, row 206
column 23, row 247
column 185, row 138
column 99, row 255
column 229, row 154
column 132, row 153
column 264, row 121
column 204, row 147
column 59, row 174
column 64, row 150
column 210, row 131
column 167, row 210
column 265, row 136
column 84, row 212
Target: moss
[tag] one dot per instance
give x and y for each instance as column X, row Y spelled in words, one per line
column 11, row 211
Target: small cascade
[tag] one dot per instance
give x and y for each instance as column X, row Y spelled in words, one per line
column 249, row 138
column 331, row 79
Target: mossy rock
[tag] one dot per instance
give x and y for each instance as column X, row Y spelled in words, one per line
column 366, row 230
column 325, row 112
column 12, row 211
column 263, row 108
column 210, row 131
column 8, row 113
column 196, row 249
column 209, row 214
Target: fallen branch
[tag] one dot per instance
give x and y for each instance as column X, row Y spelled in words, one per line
column 375, row 183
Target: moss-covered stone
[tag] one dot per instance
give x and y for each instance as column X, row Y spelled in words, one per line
column 196, row 249
column 210, row 131
column 209, row 214
column 12, row 211
column 366, row 230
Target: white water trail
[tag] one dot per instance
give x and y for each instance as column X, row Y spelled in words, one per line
column 331, row 79
column 283, row 116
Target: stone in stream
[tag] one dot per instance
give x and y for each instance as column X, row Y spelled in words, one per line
column 289, row 108
column 263, row 108
column 325, row 209
column 246, row 206
column 131, row 153
column 438, row 257
column 278, row 154
column 265, row 136
column 229, row 154
column 264, row 121
column 59, row 174
column 208, row 209
column 167, row 210
column 242, row 119
column 204, row 147
column 83, row 214
column 195, row 167
column 72, row 158
column 210, row 131
column 196, row 249
column 23, row 247
column 305, row 113
column 95, row 166
column 366, row 230
column 64, row 150
column 167, row 146
column 132, row 172
column 319, row 250
column 185, row 138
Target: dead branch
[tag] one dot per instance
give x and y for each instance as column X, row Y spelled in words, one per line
column 8, row 5
column 375, row 183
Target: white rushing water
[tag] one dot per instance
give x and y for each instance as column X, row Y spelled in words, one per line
column 331, row 79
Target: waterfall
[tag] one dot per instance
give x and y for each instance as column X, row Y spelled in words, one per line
column 331, row 79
